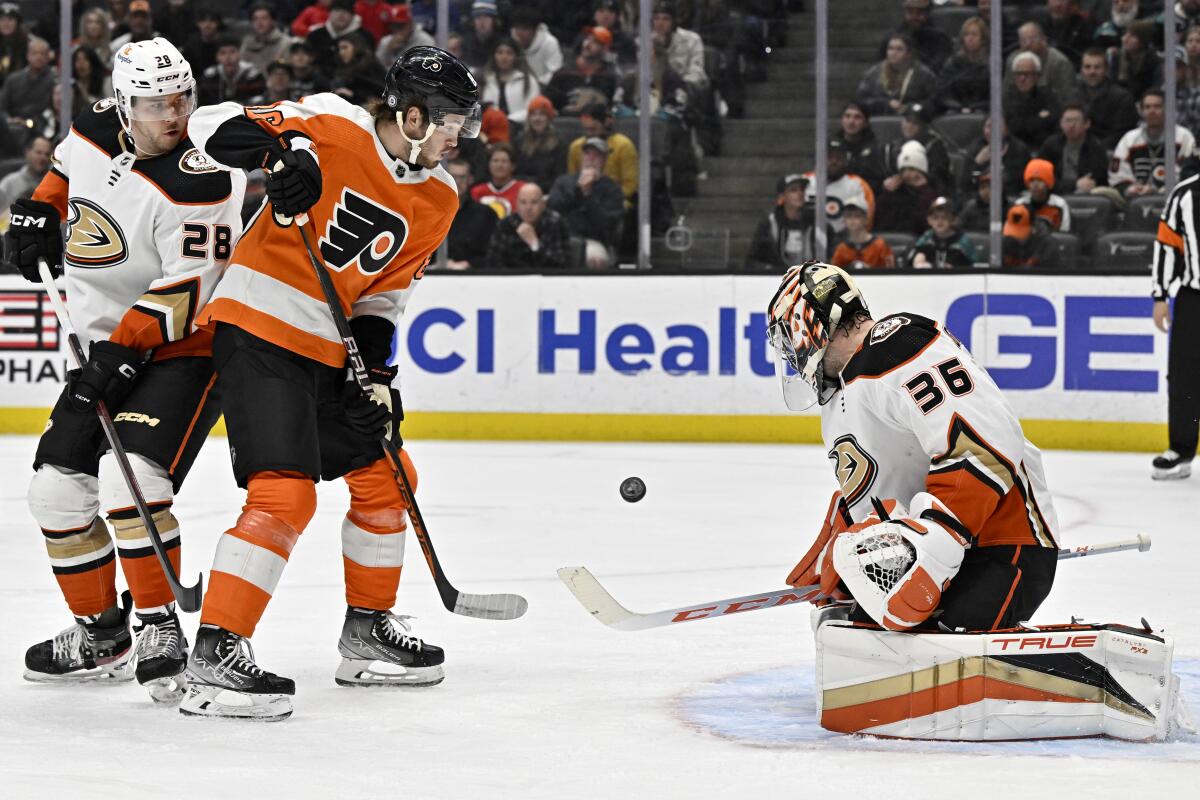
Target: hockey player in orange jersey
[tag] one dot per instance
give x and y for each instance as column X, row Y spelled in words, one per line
column 943, row 516
column 379, row 204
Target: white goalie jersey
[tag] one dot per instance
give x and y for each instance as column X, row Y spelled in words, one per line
column 147, row 239
column 916, row 413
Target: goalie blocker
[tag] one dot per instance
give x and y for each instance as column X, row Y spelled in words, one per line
column 1031, row 683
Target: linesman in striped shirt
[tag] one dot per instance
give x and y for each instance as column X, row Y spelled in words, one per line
column 1177, row 260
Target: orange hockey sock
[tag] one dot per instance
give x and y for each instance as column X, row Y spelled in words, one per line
column 373, row 534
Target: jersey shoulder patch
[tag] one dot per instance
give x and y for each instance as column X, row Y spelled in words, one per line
column 893, row 342
column 186, row 176
column 100, row 125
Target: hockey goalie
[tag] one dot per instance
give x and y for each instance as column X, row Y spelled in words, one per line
column 940, row 544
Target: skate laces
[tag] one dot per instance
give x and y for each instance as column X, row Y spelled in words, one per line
column 67, row 643
column 395, row 629
column 156, row 641
column 240, row 656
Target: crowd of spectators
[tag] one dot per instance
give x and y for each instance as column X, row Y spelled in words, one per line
column 1084, row 124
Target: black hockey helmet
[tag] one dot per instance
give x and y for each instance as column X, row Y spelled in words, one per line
column 442, row 83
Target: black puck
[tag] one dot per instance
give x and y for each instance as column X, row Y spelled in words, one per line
column 633, row 489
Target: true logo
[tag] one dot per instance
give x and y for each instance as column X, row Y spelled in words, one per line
column 94, row 239
column 362, row 232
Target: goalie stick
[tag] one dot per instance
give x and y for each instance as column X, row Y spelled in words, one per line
column 604, row 607
column 480, row 606
column 188, row 597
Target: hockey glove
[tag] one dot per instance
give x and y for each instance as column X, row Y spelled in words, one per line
column 294, row 181
column 371, row 415
column 33, row 233
column 108, row 375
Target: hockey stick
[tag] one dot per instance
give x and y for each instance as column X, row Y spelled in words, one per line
column 187, row 597
column 482, row 606
column 604, row 607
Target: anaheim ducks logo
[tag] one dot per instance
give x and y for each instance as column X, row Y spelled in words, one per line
column 94, row 238
column 854, row 468
column 362, row 232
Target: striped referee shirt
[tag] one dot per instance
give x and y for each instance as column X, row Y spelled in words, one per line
column 1177, row 249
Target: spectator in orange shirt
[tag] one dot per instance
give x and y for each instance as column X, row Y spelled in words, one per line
column 861, row 249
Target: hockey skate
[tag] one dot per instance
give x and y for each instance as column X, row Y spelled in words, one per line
column 1171, row 467
column 377, row 651
column 96, row 648
column 224, row 681
column 161, row 656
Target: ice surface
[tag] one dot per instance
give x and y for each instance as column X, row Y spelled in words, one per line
column 555, row 705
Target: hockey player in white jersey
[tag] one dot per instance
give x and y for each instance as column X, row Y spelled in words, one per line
column 150, row 225
column 931, row 460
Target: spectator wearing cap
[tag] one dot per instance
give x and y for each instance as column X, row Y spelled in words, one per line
column 900, row 78
column 622, row 162
column 29, row 91
column 541, row 154
column 932, row 46
column 141, row 25
column 541, row 50
column 481, row 34
column 1055, row 70
column 278, row 85
column 499, row 191
column 306, row 78
column 471, row 231
column 976, row 213
column 403, row 33
column 507, row 82
column 324, row 38
column 589, row 79
column 1111, row 107
column 201, row 49
column 494, row 128
column 864, row 150
column 1040, row 199
column 607, row 14
column 265, row 43
column 1030, row 109
column 786, row 235
column 1014, row 155
column 231, row 78
column 358, row 76
column 21, row 183
column 943, row 244
column 14, row 40
column 1138, row 163
column 914, row 127
column 841, row 187
column 314, row 16
column 1079, row 159
column 535, row 237
column 1137, row 65
column 592, row 204
column 860, row 248
column 375, row 16
column 903, row 209
column 93, row 32
column 1027, row 244
column 683, row 48
column 964, row 81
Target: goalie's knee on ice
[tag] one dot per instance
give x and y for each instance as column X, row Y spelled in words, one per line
column 152, row 480
column 290, row 497
column 61, row 499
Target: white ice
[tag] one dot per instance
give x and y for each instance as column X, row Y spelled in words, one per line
column 555, row 705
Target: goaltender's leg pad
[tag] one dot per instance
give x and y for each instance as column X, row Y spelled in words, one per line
column 1056, row 681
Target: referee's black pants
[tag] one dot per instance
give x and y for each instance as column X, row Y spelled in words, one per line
column 1183, row 374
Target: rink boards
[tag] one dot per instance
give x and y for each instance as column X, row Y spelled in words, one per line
column 685, row 358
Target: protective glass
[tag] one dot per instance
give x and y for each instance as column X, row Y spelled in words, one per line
column 458, row 122
column 163, row 108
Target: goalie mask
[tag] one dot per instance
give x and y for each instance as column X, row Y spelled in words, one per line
column 813, row 299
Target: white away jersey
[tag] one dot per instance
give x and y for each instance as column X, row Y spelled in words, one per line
column 146, row 239
column 916, row 413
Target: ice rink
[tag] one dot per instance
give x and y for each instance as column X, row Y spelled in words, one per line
column 555, row 705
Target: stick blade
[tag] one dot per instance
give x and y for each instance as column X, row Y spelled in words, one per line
column 597, row 601
column 490, row 606
column 190, row 598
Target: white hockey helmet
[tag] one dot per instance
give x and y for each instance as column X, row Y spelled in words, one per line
column 152, row 68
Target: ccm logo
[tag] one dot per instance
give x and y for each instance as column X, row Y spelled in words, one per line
column 733, row 608
column 1047, row 642
column 26, row 221
column 134, row 416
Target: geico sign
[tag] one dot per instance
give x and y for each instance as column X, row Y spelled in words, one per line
column 1073, row 327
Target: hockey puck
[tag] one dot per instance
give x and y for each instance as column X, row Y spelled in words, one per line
column 633, row 489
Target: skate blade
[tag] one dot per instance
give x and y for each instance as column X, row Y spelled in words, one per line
column 221, row 703
column 360, row 672
column 100, row 675
column 1172, row 474
column 167, row 691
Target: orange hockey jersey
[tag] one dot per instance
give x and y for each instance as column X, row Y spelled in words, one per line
column 376, row 224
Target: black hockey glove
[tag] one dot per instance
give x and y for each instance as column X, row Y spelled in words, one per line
column 33, row 233
column 108, row 375
column 294, row 181
column 370, row 415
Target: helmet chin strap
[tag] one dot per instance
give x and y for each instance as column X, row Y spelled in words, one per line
column 415, row 144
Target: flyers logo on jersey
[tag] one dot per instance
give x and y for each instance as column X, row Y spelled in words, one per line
column 362, row 232
column 94, row 238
